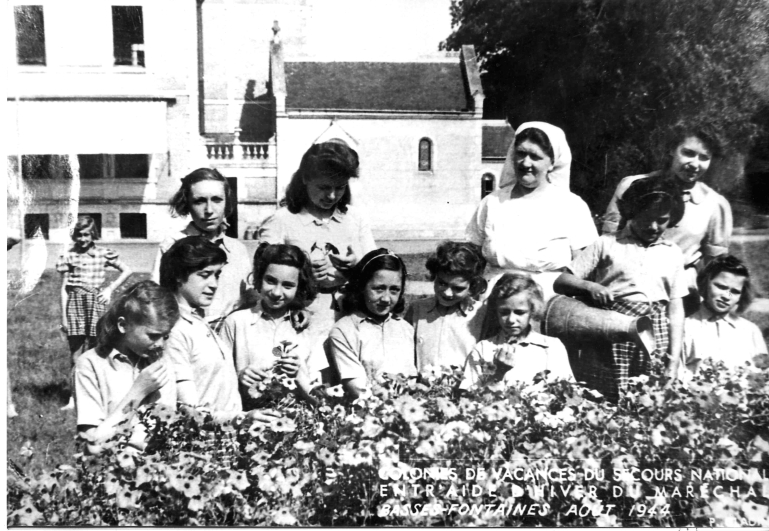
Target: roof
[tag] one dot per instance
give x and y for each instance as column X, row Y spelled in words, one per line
column 376, row 86
column 496, row 140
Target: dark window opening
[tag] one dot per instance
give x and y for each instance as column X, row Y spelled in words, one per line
column 30, row 35
column 133, row 226
column 45, row 167
column 128, row 35
column 96, row 219
column 425, row 155
column 487, row 184
column 34, row 223
column 92, row 166
column 132, row 166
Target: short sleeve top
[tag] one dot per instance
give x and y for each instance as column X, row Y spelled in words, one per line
column 445, row 336
column 252, row 334
column 360, row 347
column 199, row 356
column 533, row 354
column 634, row 271
column 531, row 233
column 304, row 230
column 102, row 382
column 87, row 269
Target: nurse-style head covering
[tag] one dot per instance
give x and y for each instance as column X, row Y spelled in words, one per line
column 561, row 154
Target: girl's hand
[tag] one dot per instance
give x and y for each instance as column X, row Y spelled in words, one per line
column 63, row 327
column 322, row 269
column 151, row 378
column 600, row 295
column 250, row 376
column 263, row 416
column 344, row 263
column 288, row 364
column 105, row 295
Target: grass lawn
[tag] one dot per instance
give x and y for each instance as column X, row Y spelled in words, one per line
column 39, row 367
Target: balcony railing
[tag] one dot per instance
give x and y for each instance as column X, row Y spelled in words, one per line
column 229, row 147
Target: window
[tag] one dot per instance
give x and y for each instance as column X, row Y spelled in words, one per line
column 45, row 167
column 105, row 166
column 34, row 223
column 128, row 35
column 487, row 184
column 133, row 226
column 30, row 35
column 96, row 219
column 425, row 155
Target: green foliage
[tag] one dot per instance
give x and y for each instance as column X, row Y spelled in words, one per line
column 367, row 463
column 617, row 74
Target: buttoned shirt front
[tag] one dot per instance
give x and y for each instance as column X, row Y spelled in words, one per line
column 102, row 382
column 533, row 354
column 233, row 280
column 633, row 270
column 252, row 334
column 364, row 348
column 445, row 336
column 305, row 230
column 199, row 356
column 730, row 339
column 87, row 268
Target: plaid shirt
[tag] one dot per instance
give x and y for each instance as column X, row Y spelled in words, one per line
column 87, row 269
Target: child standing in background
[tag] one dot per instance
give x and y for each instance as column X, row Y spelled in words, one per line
column 517, row 352
column 283, row 278
column 448, row 325
column 83, row 301
column 714, row 331
column 635, row 272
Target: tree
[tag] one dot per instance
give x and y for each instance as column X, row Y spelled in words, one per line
column 617, row 74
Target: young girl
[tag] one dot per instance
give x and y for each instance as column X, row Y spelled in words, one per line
column 83, row 301
column 448, row 325
column 127, row 368
column 371, row 339
column 205, row 196
column 517, row 352
column 714, row 331
column 634, row 272
column 283, row 279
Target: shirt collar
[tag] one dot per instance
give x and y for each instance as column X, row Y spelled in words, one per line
column 713, row 317
column 188, row 313
column 626, row 236
column 464, row 307
column 306, row 217
column 258, row 314
column 91, row 251
column 696, row 194
column 115, row 357
column 360, row 316
column 532, row 338
column 219, row 239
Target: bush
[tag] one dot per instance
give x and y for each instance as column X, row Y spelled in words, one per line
column 542, row 454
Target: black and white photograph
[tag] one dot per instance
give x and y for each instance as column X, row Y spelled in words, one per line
column 387, row 263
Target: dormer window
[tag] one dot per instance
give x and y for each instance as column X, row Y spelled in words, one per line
column 425, row 155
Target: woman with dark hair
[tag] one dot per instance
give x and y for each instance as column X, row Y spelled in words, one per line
column 372, row 338
column 317, row 217
column 127, row 368
column 716, row 330
column 706, row 227
column 205, row 197
column 534, row 224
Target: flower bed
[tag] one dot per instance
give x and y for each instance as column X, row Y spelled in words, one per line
column 410, row 453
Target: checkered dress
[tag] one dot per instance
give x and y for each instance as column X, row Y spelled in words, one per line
column 607, row 367
column 86, row 275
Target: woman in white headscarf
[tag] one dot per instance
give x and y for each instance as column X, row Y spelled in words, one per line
column 532, row 223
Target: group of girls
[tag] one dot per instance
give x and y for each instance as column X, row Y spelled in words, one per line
column 329, row 306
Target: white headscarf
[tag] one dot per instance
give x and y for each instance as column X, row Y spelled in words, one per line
column 561, row 155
